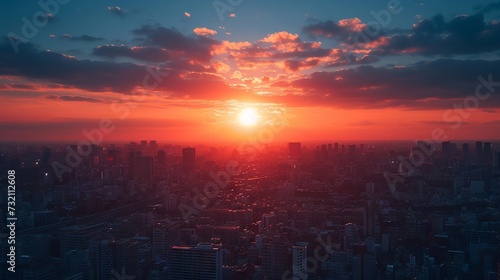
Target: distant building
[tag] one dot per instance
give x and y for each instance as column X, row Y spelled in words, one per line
column 144, row 170
column 479, row 152
column 294, row 150
column 188, row 159
column 299, row 261
column 203, row 261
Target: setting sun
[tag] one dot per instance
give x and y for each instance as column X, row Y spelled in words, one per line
column 248, row 117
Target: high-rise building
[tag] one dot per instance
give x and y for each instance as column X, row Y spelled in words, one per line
column 466, row 152
column 165, row 235
column 352, row 152
column 446, row 149
column 299, row 261
column 132, row 162
column 278, row 257
column 203, row 261
column 189, row 159
column 101, row 258
column 144, row 170
column 479, row 152
column 294, row 150
column 496, row 162
column 487, row 152
column 336, row 148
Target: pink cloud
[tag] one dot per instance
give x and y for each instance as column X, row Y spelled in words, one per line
column 203, row 31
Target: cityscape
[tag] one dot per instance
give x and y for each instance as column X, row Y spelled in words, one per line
column 250, row 140
column 294, row 211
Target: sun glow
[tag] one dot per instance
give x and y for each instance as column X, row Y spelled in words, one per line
column 248, row 117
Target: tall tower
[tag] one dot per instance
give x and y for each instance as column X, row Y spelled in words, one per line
column 299, row 265
column 203, row 261
column 188, row 159
column 144, row 170
column 294, row 150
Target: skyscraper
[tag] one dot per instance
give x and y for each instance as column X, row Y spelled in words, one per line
column 479, row 152
column 188, row 159
column 203, row 261
column 446, row 149
column 466, row 152
column 101, row 258
column 144, row 170
column 294, row 150
column 299, row 261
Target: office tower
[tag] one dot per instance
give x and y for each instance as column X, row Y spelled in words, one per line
column 487, row 153
column 336, row 148
column 189, row 159
column 324, row 153
column 294, row 150
column 299, row 261
column 113, row 156
column 496, row 162
column 466, row 152
column 278, row 257
column 144, row 145
column 132, row 163
column 101, row 258
column 342, row 149
column 144, row 170
column 153, row 146
column 479, row 152
column 352, row 152
column 446, row 149
column 203, row 261
column 161, row 157
column 126, row 256
column 362, row 148
column 358, row 262
column 165, row 235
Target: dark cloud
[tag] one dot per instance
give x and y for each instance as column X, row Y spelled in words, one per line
column 150, row 54
column 74, row 98
column 84, row 38
column 56, row 68
column 61, row 69
column 488, row 8
column 195, row 47
column 464, row 34
column 426, row 85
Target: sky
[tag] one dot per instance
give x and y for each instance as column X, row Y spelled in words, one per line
column 184, row 71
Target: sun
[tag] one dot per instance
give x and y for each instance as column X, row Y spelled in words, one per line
column 248, row 117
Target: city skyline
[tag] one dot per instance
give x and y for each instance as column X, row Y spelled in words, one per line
column 393, row 70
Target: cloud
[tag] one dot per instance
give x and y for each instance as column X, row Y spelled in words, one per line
column 439, row 84
column 178, row 80
column 85, row 38
column 150, row 54
column 74, row 98
column 349, row 31
column 488, row 8
column 196, row 47
column 187, row 14
column 463, row 34
column 203, row 31
column 117, row 10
